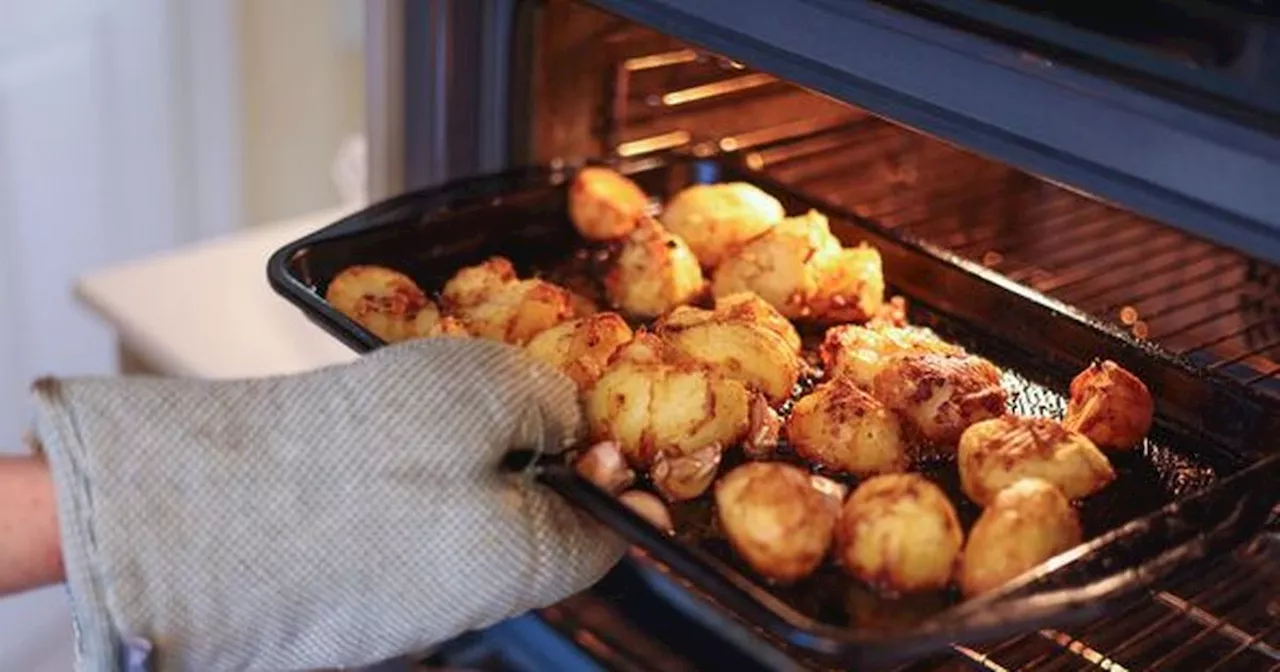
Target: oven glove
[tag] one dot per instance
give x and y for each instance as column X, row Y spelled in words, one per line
column 334, row 518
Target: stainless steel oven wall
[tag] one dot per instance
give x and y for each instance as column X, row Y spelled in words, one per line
column 438, row 92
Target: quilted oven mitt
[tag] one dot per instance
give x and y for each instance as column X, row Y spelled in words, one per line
column 334, row 518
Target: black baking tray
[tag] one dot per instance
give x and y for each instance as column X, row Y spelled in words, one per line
column 1201, row 483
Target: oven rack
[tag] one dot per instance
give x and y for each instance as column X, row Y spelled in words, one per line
column 1219, row 308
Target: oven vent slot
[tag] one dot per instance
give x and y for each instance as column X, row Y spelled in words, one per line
column 1219, row 308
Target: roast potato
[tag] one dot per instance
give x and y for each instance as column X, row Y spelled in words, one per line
column 716, row 219
column 1026, row 523
column 738, row 348
column 850, row 285
column 995, row 453
column 775, row 519
column 604, row 205
column 581, row 348
column 654, row 272
column 653, row 407
column 650, row 507
column 939, row 395
column 492, row 303
column 747, row 307
column 604, row 465
column 844, row 429
column 899, row 533
column 686, row 476
column 1110, row 406
column 858, row 353
column 782, row 266
column 388, row 303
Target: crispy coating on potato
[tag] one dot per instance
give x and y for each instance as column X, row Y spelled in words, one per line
column 995, row 453
column 1110, row 406
column 389, row 304
column 780, row 266
column 850, row 285
column 650, row 507
column 605, row 205
column 492, row 303
column 603, row 464
column 687, row 476
column 735, row 345
column 748, row 307
column 775, row 519
column 859, row 353
column 716, row 219
column 581, row 348
column 1027, row 523
column 800, row 268
column 900, row 533
column 650, row 405
column 939, row 395
column 844, row 429
column 654, row 272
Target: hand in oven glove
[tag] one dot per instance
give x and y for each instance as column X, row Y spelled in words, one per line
column 334, row 518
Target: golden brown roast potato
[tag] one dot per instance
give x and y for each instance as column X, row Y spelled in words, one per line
column 654, row 272
column 581, row 348
column 747, row 307
column 1110, row 406
column 650, row 507
column 763, row 430
column 858, row 353
column 782, row 266
column 737, row 348
column 650, row 406
column 995, row 453
column 850, row 285
column 776, row 519
column 844, row 429
column 716, row 219
column 1027, row 523
column 899, row 532
column 686, row 476
column 492, row 303
column 939, row 395
column 389, row 304
column 603, row 464
column 604, row 205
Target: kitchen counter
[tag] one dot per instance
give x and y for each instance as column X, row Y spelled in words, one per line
column 207, row 311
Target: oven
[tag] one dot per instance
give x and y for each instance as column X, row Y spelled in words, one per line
column 1125, row 164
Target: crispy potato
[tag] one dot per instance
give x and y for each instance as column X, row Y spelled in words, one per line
column 775, row 519
column 859, row 353
column 685, row 477
column 899, row 532
column 650, row 406
column 581, row 348
column 604, row 205
column 430, row 322
column 654, row 272
column 782, row 266
column 650, row 507
column 939, row 395
column 387, row 303
column 763, row 431
column 1027, row 523
column 492, row 303
column 995, row 453
column 1110, row 406
column 747, row 307
column 604, row 465
column 842, row 428
column 716, row 219
column 741, row 349
column 850, row 285
column 892, row 313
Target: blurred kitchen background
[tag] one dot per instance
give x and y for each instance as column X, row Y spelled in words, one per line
column 129, row 127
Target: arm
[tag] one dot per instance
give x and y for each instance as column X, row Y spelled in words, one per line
column 30, row 555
